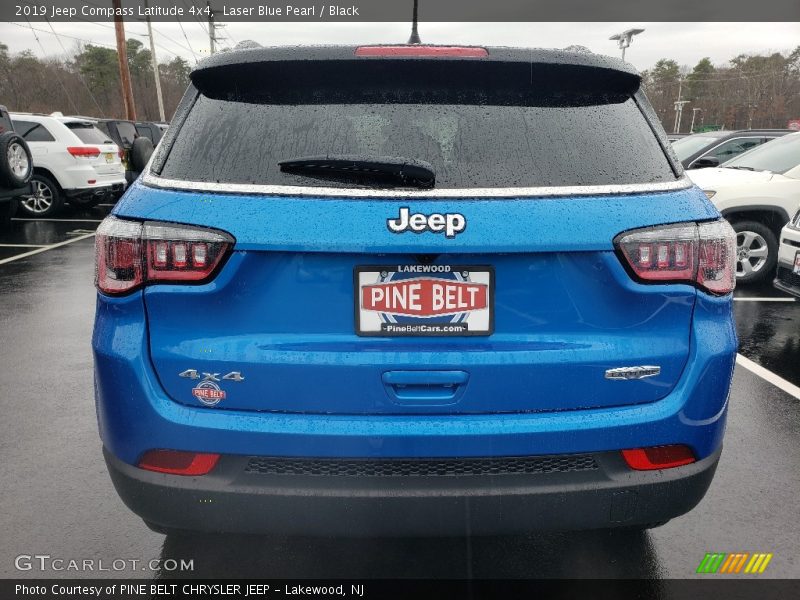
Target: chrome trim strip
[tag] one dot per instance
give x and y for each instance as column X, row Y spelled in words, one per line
column 152, row 180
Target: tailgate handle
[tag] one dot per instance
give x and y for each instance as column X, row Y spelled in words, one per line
column 424, row 386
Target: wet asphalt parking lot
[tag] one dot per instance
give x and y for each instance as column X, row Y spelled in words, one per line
column 57, row 498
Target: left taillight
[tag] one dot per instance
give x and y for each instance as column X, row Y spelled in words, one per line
column 130, row 254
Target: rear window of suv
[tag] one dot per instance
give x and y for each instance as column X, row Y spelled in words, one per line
column 596, row 140
column 88, row 134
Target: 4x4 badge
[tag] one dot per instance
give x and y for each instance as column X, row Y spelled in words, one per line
column 194, row 374
column 449, row 223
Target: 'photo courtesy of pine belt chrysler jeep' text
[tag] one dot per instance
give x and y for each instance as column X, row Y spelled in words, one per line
column 413, row 290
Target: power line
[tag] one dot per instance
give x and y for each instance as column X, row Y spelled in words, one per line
column 78, row 72
column 63, row 87
column 195, row 17
column 187, row 40
column 72, row 37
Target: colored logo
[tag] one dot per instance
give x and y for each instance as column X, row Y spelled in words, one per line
column 737, row 562
column 208, row 393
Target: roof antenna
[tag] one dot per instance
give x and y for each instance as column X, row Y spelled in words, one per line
column 414, row 39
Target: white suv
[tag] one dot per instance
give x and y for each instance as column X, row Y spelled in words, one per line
column 787, row 277
column 757, row 192
column 73, row 161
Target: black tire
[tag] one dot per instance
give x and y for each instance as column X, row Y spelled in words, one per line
column 7, row 212
column 753, row 239
column 16, row 162
column 47, row 198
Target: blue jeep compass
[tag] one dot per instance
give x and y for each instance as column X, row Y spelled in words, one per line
column 404, row 290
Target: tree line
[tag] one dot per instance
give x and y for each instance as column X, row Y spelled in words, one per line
column 749, row 91
column 87, row 83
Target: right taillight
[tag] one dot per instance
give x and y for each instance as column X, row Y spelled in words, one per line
column 130, row 254
column 702, row 254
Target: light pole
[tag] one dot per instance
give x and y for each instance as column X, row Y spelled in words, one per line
column 694, row 112
column 624, row 39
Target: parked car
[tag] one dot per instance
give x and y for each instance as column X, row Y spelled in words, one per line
column 757, row 192
column 712, row 148
column 153, row 131
column 73, row 161
column 16, row 168
column 787, row 277
column 124, row 133
column 412, row 290
column 672, row 137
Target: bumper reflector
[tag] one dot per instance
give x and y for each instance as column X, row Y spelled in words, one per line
column 658, row 457
column 176, row 462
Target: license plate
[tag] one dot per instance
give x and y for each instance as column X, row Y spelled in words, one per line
column 424, row 300
column 797, row 263
column 109, row 157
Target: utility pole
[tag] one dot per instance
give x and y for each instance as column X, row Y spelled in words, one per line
column 694, row 112
column 679, row 108
column 211, row 27
column 122, row 54
column 752, row 109
column 155, row 67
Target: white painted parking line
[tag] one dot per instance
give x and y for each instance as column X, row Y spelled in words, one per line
column 62, row 220
column 24, row 245
column 763, row 299
column 769, row 376
column 45, row 249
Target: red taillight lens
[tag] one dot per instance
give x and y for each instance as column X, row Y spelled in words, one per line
column 417, row 50
column 177, row 462
column 658, row 457
column 703, row 254
column 130, row 254
column 84, row 151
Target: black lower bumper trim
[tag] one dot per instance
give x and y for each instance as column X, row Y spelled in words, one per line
column 787, row 280
column 232, row 499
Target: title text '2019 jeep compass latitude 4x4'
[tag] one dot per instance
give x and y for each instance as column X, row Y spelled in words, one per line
column 413, row 290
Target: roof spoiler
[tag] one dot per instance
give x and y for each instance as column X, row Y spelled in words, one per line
column 303, row 74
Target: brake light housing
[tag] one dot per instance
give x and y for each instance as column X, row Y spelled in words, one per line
column 700, row 254
column 424, row 51
column 84, row 151
column 132, row 254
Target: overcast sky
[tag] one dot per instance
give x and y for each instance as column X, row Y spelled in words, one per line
column 686, row 43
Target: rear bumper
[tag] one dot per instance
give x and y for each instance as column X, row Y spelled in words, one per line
column 234, row 499
column 113, row 191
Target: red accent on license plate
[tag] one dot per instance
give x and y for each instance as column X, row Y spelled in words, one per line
column 425, row 297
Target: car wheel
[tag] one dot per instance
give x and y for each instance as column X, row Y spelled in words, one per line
column 16, row 163
column 46, row 199
column 756, row 251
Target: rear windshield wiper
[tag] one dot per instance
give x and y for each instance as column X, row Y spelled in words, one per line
column 404, row 172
